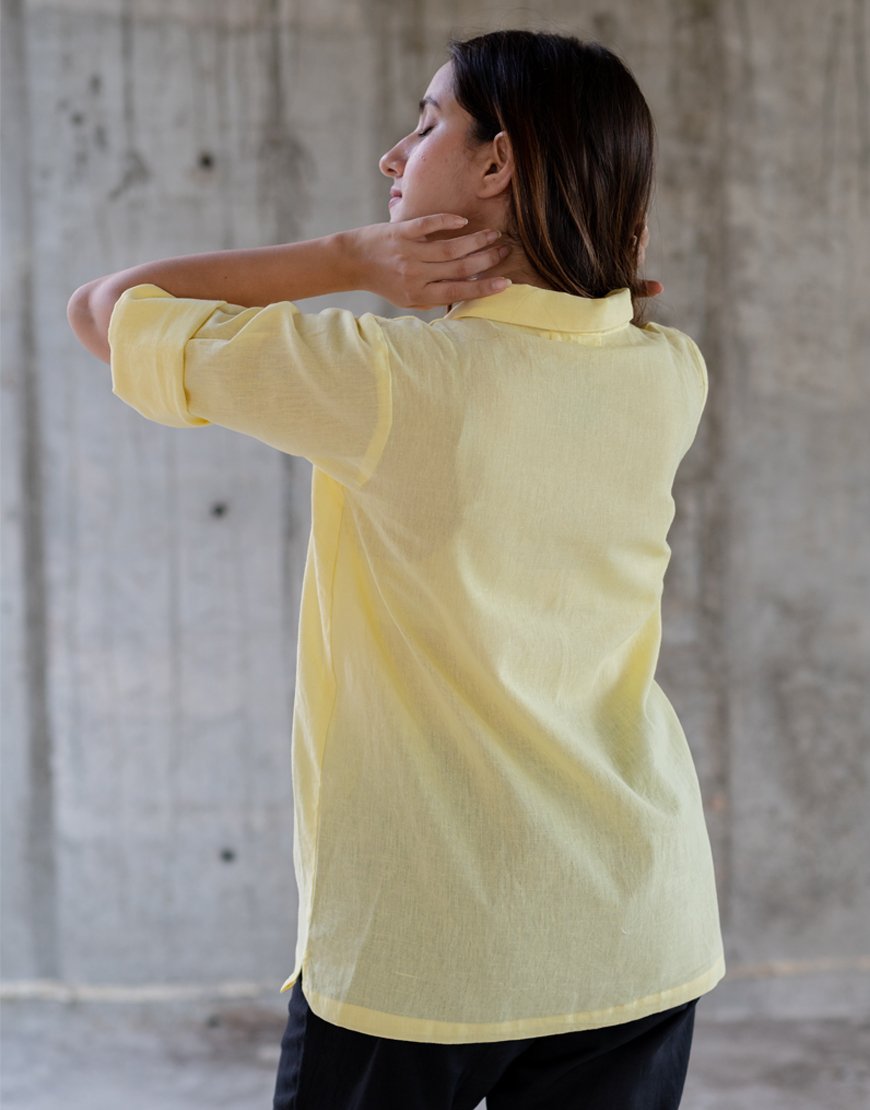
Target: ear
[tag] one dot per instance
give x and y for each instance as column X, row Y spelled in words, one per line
column 498, row 166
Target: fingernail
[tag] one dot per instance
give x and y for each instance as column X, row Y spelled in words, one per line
column 501, row 283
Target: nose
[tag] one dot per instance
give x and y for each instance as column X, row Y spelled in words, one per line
column 390, row 163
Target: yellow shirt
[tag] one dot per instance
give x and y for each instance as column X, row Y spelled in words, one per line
column 499, row 831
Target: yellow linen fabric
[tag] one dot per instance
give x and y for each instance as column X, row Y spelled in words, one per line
column 498, row 830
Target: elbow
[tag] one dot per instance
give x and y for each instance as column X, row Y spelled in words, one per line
column 78, row 311
column 88, row 313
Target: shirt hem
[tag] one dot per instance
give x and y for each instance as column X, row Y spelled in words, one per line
column 397, row 1027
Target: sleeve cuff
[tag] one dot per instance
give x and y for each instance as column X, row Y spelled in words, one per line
column 148, row 331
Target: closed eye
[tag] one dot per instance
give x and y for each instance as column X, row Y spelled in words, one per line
column 426, row 132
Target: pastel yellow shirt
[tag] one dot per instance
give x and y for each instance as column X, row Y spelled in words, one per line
column 499, row 831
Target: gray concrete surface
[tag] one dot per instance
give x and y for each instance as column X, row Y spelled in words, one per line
column 222, row 1054
column 151, row 576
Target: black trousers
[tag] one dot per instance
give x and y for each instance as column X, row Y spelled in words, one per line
column 639, row 1065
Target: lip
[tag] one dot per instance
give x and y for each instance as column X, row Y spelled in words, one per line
column 393, row 199
column 394, row 193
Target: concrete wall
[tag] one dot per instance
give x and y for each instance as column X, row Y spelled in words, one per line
column 151, row 576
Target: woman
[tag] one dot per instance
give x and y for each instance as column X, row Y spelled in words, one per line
column 505, row 879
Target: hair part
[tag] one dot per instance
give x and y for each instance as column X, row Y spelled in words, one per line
column 583, row 140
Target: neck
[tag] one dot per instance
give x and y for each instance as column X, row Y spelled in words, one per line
column 517, row 267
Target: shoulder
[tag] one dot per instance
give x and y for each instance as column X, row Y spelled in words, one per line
column 683, row 348
column 414, row 337
column 673, row 337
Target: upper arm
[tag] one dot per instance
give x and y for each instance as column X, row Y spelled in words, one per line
column 699, row 390
column 700, row 367
column 310, row 384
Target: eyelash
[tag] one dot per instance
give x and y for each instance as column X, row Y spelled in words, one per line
column 426, row 132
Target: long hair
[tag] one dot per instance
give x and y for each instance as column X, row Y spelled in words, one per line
column 583, row 139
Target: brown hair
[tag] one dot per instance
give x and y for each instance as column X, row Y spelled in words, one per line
column 583, row 140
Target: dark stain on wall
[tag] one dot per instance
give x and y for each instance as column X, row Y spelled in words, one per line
column 286, row 169
column 38, row 830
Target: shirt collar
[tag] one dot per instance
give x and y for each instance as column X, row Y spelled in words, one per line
column 549, row 310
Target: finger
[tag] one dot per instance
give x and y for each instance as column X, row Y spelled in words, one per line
column 652, row 289
column 468, row 266
column 451, row 292
column 428, row 225
column 442, row 250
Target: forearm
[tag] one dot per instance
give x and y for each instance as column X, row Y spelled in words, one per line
column 251, row 278
column 416, row 263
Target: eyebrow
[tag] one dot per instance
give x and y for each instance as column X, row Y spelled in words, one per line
column 429, row 100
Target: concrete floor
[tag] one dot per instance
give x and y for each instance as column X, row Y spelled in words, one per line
column 223, row 1054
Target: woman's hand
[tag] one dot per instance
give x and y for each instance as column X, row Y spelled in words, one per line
column 402, row 264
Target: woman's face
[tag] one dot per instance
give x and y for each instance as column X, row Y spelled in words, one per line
column 431, row 166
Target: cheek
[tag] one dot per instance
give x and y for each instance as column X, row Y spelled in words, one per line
column 423, row 168
column 429, row 169
column 417, row 161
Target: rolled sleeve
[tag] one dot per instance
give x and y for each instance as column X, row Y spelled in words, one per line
column 310, row 384
column 148, row 331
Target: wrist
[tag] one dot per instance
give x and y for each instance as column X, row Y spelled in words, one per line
column 347, row 260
